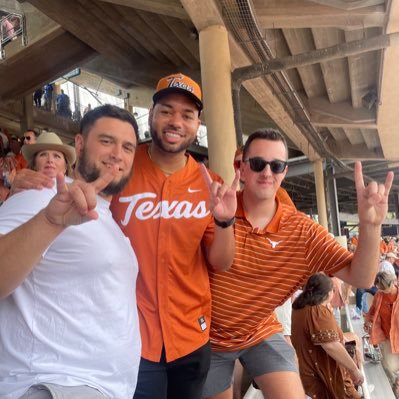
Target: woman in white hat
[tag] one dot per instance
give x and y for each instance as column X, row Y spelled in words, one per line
column 49, row 155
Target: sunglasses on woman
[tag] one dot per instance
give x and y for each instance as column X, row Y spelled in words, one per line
column 258, row 164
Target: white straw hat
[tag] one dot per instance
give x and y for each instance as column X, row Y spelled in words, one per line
column 49, row 141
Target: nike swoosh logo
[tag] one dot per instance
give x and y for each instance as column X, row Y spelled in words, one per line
column 193, row 190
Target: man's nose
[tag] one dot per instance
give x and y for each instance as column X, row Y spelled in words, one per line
column 266, row 171
column 176, row 119
column 117, row 152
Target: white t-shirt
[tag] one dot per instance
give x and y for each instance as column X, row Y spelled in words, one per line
column 74, row 320
column 386, row 266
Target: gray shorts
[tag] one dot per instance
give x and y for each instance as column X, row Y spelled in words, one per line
column 271, row 355
column 54, row 391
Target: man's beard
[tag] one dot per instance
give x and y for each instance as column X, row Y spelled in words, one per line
column 90, row 173
column 169, row 148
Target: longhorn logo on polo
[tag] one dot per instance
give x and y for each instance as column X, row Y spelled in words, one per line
column 146, row 207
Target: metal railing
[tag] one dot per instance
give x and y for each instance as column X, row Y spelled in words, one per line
column 12, row 26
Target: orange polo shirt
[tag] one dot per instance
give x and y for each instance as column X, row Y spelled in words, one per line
column 168, row 223
column 269, row 266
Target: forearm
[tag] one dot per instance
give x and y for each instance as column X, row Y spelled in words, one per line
column 22, row 248
column 364, row 266
column 221, row 251
column 338, row 352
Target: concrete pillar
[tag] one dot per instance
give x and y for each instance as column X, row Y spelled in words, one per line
column 27, row 121
column 216, row 86
column 320, row 193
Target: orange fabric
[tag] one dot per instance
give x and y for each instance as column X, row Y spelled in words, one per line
column 354, row 241
column 391, row 247
column 284, row 197
column 269, row 266
column 21, row 162
column 168, row 223
column 377, row 334
column 386, row 312
column 383, row 247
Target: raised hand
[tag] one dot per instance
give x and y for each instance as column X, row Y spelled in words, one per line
column 223, row 198
column 75, row 203
column 27, row 179
column 372, row 200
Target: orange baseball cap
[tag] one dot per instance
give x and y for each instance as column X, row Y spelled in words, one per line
column 179, row 83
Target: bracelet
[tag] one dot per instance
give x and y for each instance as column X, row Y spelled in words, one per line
column 226, row 224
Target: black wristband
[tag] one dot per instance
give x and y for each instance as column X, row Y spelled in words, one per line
column 224, row 225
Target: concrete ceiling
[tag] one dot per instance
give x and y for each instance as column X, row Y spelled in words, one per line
column 131, row 43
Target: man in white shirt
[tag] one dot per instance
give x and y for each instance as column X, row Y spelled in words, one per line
column 68, row 315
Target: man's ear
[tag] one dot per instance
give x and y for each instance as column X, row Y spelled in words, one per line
column 150, row 114
column 242, row 178
column 79, row 140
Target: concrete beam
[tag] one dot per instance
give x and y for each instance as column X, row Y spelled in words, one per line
column 75, row 16
column 340, row 115
column 355, row 152
column 171, row 8
column 275, row 14
column 349, row 4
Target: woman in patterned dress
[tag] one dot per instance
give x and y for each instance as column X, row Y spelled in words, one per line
column 326, row 369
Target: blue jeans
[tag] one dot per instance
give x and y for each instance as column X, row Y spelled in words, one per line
column 359, row 295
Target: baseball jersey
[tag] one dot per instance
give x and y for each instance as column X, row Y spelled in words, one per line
column 168, row 223
column 269, row 265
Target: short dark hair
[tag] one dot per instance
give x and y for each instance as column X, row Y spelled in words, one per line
column 315, row 292
column 34, row 131
column 264, row 134
column 107, row 111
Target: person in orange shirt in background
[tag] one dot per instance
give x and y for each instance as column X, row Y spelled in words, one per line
column 382, row 322
column 383, row 247
column 391, row 246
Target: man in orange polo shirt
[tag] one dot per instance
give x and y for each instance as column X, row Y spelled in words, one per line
column 178, row 231
column 277, row 249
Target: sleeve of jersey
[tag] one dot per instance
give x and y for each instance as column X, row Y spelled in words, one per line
column 322, row 325
column 208, row 236
column 324, row 254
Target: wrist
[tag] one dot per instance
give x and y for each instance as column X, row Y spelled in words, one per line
column 49, row 221
column 225, row 224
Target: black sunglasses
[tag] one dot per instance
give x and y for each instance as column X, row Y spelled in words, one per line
column 27, row 138
column 258, row 164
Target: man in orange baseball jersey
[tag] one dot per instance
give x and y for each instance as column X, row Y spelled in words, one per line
column 277, row 249
column 180, row 225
